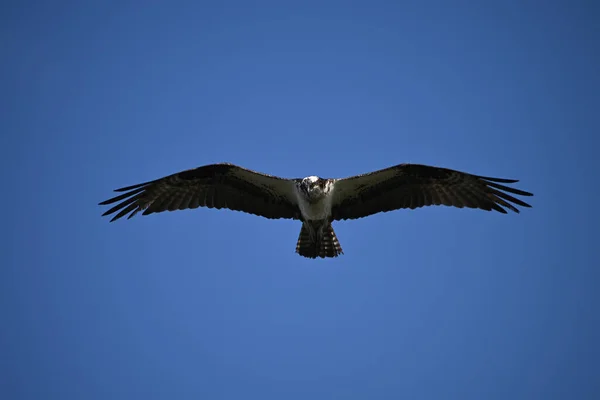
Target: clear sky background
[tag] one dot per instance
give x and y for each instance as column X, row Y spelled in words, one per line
column 437, row 303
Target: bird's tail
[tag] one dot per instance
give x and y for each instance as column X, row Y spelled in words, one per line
column 322, row 243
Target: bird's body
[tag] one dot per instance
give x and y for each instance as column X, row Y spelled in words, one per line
column 314, row 196
column 315, row 201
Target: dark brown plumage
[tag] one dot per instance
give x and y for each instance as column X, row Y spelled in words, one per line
column 413, row 186
column 316, row 201
column 213, row 186
column 328, row 246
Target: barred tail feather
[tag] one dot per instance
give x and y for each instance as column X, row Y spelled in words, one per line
column 324, row 244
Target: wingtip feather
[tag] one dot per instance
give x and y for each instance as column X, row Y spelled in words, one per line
column 499, row 180
column 126, row 188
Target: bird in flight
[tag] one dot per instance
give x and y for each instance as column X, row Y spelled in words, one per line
column 315, row 201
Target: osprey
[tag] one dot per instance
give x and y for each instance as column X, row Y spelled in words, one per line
column 315, row 201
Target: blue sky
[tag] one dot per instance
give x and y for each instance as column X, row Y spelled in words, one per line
column 428, row 304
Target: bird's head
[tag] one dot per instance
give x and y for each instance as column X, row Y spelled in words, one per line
column 313, row 187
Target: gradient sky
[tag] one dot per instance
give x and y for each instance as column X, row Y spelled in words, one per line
column 437, row 303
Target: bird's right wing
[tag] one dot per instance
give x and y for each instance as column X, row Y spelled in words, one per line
column 213, row 186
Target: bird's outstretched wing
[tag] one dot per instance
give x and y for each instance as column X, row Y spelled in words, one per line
column 213, row 186
column 413, row 186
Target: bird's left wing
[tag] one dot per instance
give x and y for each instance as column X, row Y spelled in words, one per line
column 413, row 186
column 214, row 186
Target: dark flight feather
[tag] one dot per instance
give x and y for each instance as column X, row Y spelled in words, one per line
column 213, row 186
column 414, row 185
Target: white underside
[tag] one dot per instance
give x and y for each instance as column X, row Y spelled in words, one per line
column 317, row 211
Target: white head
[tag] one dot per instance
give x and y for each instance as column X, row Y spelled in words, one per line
column 313, row 187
